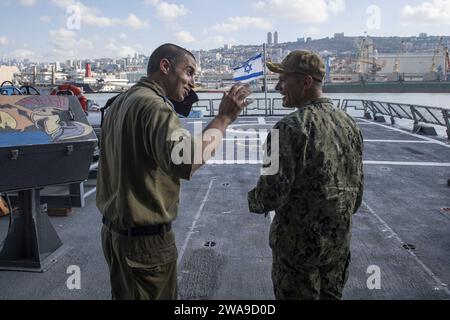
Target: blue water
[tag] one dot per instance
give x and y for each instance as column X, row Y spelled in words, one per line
column 441, row 100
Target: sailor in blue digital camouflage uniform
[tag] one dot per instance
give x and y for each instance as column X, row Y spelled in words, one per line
column 317, row 188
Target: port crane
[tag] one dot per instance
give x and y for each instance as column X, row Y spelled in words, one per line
column 437, row 53
column 376, row 66
column 447, row 63
column 364, row 58
column 397, row 59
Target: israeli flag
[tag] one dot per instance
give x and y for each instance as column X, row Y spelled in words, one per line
column 252, row 69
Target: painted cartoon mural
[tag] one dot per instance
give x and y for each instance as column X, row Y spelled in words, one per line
column 38, row 120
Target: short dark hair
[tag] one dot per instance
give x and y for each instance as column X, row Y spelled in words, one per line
column 175, row 54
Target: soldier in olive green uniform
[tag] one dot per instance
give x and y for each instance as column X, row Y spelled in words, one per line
column 138, row 180
column 318, row 186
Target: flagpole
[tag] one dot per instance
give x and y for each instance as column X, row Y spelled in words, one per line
column 265, row 77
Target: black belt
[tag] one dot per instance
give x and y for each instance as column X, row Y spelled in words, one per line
column 139, row 231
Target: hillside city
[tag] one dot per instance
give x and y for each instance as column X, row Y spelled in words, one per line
column 217, row 64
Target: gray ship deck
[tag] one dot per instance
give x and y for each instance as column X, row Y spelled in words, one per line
column 400, row 228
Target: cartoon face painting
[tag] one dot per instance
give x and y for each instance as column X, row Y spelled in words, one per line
column 47, row 118
column 7, row 121
column 14, row 117
column 40, row 120
column 57, row 124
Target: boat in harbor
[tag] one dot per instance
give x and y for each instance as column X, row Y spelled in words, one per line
column 388, row 87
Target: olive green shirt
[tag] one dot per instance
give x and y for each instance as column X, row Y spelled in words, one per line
column 138, row 183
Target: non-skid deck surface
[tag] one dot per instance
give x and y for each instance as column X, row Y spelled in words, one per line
column 399, row 230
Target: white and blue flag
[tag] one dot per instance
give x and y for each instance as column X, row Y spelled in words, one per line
column 252, row 69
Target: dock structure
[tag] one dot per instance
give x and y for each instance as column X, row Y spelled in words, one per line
column 400, row 233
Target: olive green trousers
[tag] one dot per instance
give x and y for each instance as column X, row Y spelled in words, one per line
column 141, row 268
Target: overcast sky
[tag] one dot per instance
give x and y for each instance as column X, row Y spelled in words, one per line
column 48, row 30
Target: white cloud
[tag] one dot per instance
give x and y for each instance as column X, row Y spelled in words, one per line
column 67, row 44
column 260, row 5
column 62, row 35
column 120, row 51
column 134, row 22
column 312, row 31
column 92, row 16
column 4, row 41
column 184, row 37
column 23, row 54
column 336, row 6
column 45, row 19
column 125, row 51
column 217, row 39
column 170, row 11
column 152, row 2
column 139, row 47
column 238, row 23
column 27, row 3
column 435, row 12
column 123, row 36
column 305, row 11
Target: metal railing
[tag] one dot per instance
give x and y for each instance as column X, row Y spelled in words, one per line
column 210, row 107
column 416, row 113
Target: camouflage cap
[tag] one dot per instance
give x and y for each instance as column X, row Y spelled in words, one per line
column 300, row 61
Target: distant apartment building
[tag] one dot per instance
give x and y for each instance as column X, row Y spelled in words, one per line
column 269, row 38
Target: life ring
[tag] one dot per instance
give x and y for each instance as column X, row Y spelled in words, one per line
column 70, row 89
